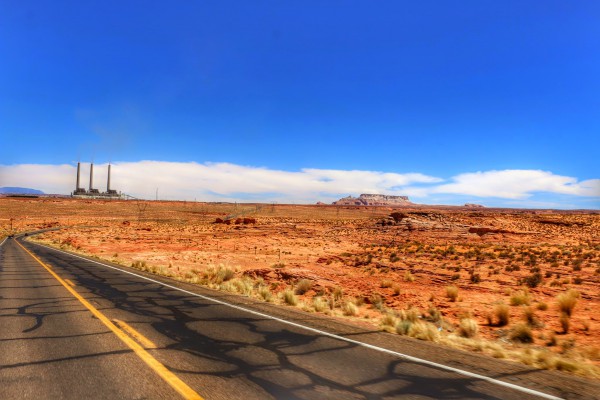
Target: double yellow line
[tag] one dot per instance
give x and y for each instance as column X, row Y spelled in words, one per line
column 160, row 369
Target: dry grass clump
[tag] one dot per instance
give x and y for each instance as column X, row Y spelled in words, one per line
column 218, row 274
column 244, row 286
column 423, row 331
column 265, row 293
column 520, row 298
column 139, row 265
column 303, row 286
column 435, row 315
column 349, row 308
column 289, row 297
column 386, row 283
column 409, row 277
column 319, row 304
column 502, row 314
column 521, row 333
column 468, row 328
column 376, row 300
column 389, row 321
column 567, row 301
column 452, row 293
column 529, row 316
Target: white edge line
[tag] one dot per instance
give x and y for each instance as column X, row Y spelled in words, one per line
column 3, row 242
column 324, row 333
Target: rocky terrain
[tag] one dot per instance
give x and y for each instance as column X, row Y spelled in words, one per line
column 516, row 284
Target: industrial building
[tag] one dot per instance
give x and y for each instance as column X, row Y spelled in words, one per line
column 93, row 193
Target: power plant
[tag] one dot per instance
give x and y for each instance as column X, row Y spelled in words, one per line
column 92, row 193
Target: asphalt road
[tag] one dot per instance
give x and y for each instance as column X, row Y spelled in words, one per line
column 53, row 345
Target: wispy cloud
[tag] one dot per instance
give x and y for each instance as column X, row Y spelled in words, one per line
column 228, row 182
column 517, row 184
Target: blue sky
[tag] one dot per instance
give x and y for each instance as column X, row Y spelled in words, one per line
column 436, row 88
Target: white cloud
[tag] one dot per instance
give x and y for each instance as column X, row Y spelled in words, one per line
column 230, row 182
column 517, row 184
column 212, row 181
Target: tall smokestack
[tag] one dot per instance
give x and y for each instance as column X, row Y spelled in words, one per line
column 91, row 176
column 78, row 175
column 108, row 183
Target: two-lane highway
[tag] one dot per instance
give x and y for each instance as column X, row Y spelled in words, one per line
column 69, row 328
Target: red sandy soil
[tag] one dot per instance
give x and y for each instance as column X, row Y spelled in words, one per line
column 489, row 254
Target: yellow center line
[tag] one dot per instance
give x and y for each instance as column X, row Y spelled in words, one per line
column 160, row 369
column 144, row 341
column 69, row 282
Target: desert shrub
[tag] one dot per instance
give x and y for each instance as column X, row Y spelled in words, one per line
column 386, row 283
column 423, row 331
column 434, row 314
column 567, row 301
column 408, row 277
column 542, row 306
column 389, row 320
column 289, row 297
column 533, row 280
column 455, row 277
column 520, row 298
column 218, row 275
column 412, row 315
column 468, row 328
column 577, row 280
column 376, row 300
column 139, row 265
column 224, row 274
column 521, row 333
column 475, row 278
column 303, row 286
column 349, row 308
column 529, row 316
column 502, row 313
column 278, row 265
column 396, row 289
column 265, row 293
column 403, row 327
column 320, row 304
column 452, row 293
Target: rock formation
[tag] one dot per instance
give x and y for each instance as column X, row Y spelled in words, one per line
column 472, row 205
column 373, row 200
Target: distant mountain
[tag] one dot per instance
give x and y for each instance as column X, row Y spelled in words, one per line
column 373, row 200
column 19, row 190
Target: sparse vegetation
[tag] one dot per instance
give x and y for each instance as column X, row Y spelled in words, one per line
column 520, row 298
column 521, row 333
column 303, row 286
column 468, row 328
column 502, row 313
column 452, row 293
column 567, row 301
column 289, row 297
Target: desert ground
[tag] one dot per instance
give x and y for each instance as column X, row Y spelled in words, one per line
column 523, row 285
